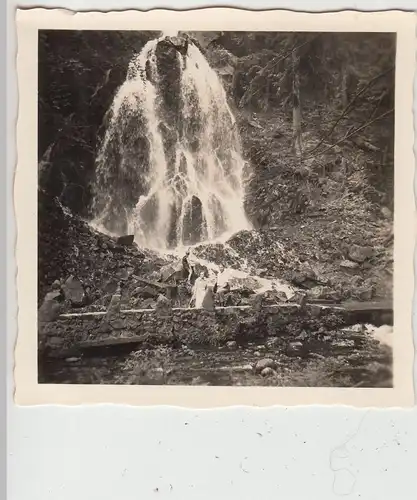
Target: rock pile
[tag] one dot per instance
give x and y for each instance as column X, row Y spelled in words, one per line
column 89, row 264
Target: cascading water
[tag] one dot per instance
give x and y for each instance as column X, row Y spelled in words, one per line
column 170, row 167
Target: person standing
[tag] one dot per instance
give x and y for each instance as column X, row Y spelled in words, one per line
column 186, row 268
column 222, row 287
column 199, row 291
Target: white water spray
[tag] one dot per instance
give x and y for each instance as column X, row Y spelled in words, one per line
column 190, row 189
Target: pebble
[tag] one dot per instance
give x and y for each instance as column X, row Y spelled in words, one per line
column 247, row 368
column 349, row 264
column 294, row 348
column 268, row 372
column 265, row 363
column 275, row 342
column 317, row 356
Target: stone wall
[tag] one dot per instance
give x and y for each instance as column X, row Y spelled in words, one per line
column 190, row 326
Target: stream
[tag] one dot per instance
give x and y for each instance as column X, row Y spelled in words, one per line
column 231, row 364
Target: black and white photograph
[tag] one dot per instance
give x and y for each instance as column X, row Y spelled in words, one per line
column 216, row 208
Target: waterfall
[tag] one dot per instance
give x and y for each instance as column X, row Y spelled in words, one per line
column 170, row 167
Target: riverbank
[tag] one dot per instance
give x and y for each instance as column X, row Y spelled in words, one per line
column 338, row 362
column 286, row 345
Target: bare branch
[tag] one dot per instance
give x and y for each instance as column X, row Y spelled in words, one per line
column 349, row 106
column 352, row 133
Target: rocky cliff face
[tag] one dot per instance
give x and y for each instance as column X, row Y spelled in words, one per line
column 79, row 73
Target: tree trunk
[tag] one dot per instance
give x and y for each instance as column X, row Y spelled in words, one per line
column 296, row 113
column 344, row 90
column 267, row 94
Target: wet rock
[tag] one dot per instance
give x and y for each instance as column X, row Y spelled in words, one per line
column 257, row 354
column 268, row 372
column 74, row 291
column 359, row 253
column 295, row 349
column 126, row 240
column 265, row 363
column 72, row 360
column 217, row 253
column 384, row 335
column 232, row 344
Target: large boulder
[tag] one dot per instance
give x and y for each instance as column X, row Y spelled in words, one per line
column 305, row 278
column 126, row 240
column 51, row 307
column 383, row 334
column 167, row 272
